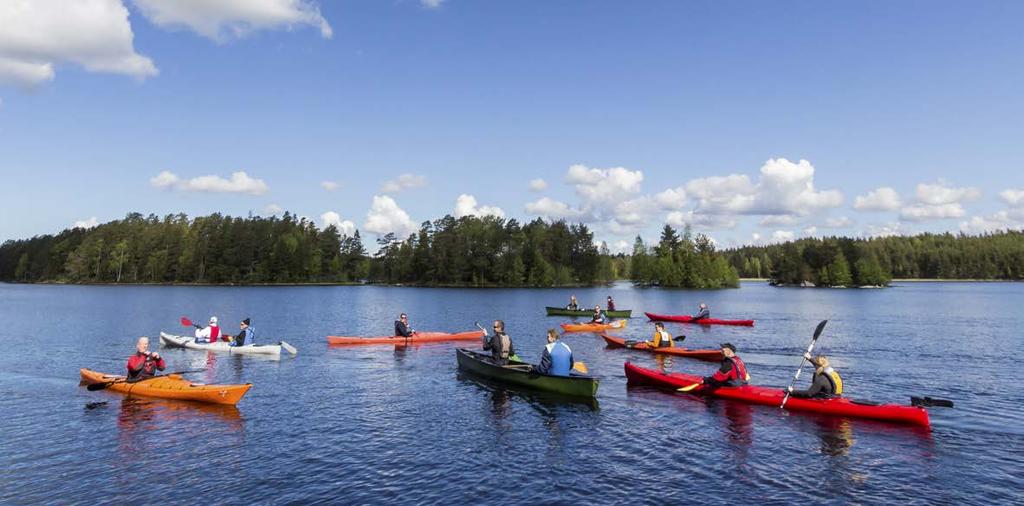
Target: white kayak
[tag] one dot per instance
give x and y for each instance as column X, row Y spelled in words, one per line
column 250, row 349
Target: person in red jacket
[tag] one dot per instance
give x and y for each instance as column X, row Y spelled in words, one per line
column 144, row 363
column 732, row 373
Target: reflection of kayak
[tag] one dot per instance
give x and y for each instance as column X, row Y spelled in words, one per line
column 559, row 311
column 171, row 386
column 522, row 374
column 419, row 337
column 593, row 327
column 685, row 318
column 223, row 347
column 709, row 355
column 911, row 415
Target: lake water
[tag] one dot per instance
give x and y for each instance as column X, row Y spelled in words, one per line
column 379, row 424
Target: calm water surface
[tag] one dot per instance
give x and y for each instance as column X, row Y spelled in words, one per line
column 376, row 424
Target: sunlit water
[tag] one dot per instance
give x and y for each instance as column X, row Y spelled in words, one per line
column 379, row 424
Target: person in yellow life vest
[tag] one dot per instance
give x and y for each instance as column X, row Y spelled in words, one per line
column 662, row 339
column 825, row 384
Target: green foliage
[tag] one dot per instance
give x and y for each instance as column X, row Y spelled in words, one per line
column 681, row 262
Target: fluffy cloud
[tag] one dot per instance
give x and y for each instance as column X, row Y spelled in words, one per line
column 783, row 236
column 93, row 34
column 240, row 182
column 466, row 205
column 552, row 209
column 777, row 220
column 89, row 223
column 680, row 219
column 784, row 188
column 403, row 182
column 924, row 212
column 885, row 230
column 601, row 185
column 272, row 209
column 941, row 193
column 880, row 199
column 329, row 185
column 733, row 194
column 223, row 19
column 672, row 199
column 1013, row 197
column 345, row 227
column 431, row 4
column 840, row 222
column 538, row 185
column 385, row 216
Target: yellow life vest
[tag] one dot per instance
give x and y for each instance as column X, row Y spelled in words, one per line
column 833, row 376
column 662, row 337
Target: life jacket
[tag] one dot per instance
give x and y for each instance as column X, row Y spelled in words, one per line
column 250, row 335
column 504, row 345
column 598, row 318
column 738, row 374
column 214, row 333
column 665, row 341
column 561, row 358
column 834, row 379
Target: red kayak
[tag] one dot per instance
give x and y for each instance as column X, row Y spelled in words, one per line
column 685, row 318
column 709, row 355
column 896, row 413
column 419, row 337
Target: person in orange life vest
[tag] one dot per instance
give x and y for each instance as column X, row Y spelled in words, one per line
column 825, row 384
column 732, row 373
column 662, row 339
column 208, row 334
column 144, row 363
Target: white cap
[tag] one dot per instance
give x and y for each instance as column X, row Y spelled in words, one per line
column 213, row 320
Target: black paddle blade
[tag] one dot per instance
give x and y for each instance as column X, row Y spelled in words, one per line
column 679, row 338
column 817, row 331
column 928, row 402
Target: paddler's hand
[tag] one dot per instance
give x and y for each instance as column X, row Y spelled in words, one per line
column 789, row 389
column 807, row 356
column 154, row 355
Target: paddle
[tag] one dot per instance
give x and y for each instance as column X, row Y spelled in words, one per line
column 100, row 386
column 289, row 348
column 185, row 322
column 928, row 402
column 687, row 388
column 817, row 333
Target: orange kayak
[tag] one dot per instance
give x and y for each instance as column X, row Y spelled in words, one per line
column 709, row 355
column 593, row 327
column 419, row 337
column 171, row 386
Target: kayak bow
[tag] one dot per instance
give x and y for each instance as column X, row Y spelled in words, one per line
column 708, row 355
column 654, row 317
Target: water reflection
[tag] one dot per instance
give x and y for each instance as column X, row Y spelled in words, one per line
column 836, row 435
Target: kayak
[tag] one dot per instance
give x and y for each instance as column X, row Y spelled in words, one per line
column 524, row 375
column 896, row 413
column 685, row 318
column 560, row 311
column 419, row 337
column 223, row 347
column 171, row 386
column 593, row 327
column 709, row 355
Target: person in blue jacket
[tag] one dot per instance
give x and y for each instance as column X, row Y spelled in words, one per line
column 557, row 357
column 703, row 313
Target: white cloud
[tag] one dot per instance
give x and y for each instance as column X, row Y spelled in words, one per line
column 466, row 205
column 36, row 35
column 538, row 185
column 941, row 193
column 840, row 222
column 784, row 188
column 777, row 220
column 621, row 246
column 345, row 227
column 880, row 199
column 272, row 209
column 1013, row 197
column 597, row 186
column 811, row 230
column 1012, row 219
column 385, row 216
column 240, row 182
column 732, row 194
column 223, row 19
column 783, row 236
column 885, row 230
column 431, row 4
column 403, row 182
column 923, row 212
column 672, row 199
column 89, row 223
column 679, row 219
column 329, row 185
column 552, row 209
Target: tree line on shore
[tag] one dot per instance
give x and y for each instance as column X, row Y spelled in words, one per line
column 842, row 261
column 467, row 251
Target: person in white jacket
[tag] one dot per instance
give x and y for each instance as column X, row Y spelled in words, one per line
column 210, row 333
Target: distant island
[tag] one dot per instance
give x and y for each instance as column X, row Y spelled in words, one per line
column 480, row 252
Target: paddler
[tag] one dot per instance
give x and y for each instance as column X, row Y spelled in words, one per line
column 402, row 326
column 611, row 303
column 500, row 345
column 703, row 313
column 732, row 373
column 825, row 384
column 246, row 333
column 556, row 358
column 210, row 333
column 662, row 339
column 598, row 317
column 573, row 306
column 144, row 363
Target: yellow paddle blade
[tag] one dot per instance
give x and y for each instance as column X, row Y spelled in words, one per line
column 687, row 388
column 580, row 367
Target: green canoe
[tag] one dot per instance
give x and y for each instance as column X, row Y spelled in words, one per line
column 561, row 311
column 521, row 374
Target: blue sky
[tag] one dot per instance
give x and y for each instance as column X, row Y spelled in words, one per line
column 685, row 112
